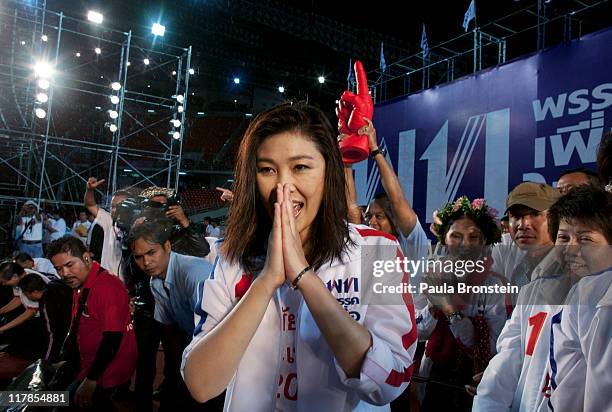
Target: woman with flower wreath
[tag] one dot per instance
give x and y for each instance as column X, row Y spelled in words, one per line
column 461, row 328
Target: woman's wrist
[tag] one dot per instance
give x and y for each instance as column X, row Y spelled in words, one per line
column 267, row 283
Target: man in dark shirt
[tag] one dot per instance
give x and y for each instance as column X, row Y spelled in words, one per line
column 106, row 341
column 55, row 300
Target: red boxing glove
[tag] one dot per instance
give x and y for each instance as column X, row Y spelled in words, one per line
column 351, row 110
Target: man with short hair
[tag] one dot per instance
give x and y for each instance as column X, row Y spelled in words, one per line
column 174, row 282
column 102, row 321
column 29, row 222
column 110, row 255
column 576, row 177
column 42, row 265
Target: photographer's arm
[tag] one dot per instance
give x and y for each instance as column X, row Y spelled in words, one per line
column 90, row 198
column 11, row 305
column 27, row 315
column 177, row 212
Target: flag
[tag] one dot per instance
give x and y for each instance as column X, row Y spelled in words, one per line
column 383, row 63
column 469, row 15
column 424, row 45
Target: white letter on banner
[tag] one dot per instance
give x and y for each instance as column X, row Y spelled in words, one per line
column 497, row 158
column 405, row 163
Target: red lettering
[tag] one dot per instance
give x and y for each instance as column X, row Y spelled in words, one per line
column 537, row 321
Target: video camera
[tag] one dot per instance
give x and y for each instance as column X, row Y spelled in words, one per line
column 134, row 208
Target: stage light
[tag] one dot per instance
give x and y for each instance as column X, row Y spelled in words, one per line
column 158, row 29
column 116, row 86
column 180, row 109
column 150, row 111
column 281, row 89
column 113, row 114
column 42, row 97
column 191, row 71
column 98, row 50
column 113, row 128
column 95, row 17
column 236, row 80
column 128, row 64
column 176, row 135
column 193, row 93
column 78, row 54
column 40, row 113
column 175, row 122
column 321, row 79
column 235, row 101
column 44, row 37
column 43, row 70
column 43, row 84
column 180, row 98
column 148, row 86
column 146, row 61
column 174, row 72
column 114, row 99
column 23, row 42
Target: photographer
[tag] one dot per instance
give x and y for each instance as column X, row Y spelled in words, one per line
column 29, row 223
column 162, row 202
column 110, row 255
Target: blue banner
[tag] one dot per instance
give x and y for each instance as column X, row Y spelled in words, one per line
column 527, row 120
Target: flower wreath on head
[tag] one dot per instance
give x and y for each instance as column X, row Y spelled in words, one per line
column 477, row 210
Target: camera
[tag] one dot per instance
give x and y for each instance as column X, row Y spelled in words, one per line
column 134, row 208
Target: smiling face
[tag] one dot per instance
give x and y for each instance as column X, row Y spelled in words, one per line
column 581, row 249
column 377, row 219
column 464, row 238
column 292, row 158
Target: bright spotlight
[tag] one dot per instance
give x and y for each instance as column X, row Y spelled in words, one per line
column 43, row 84
column 180, row 98
column 40, row 113
column 44, row 37
column 191, row 71
column 174, row 72
column 114, row 99
column 116, row 86
column 176, row 135
column 42, row 97
column 23, row 42
column 95, row 17
column 78, row 54
column 237, row 80
column 281, row 89
column 113, row 114
column 146, row 61
column 98, row 50
column 180, row 109
column 321, row 79
column 175, row 122
column 128, row 64
column 43, row 70
column 158, row 29
column 113, row 128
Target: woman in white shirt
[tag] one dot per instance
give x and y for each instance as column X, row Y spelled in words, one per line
column 287, row 321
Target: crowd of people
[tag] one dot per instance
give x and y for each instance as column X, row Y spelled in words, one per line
column 280, row 313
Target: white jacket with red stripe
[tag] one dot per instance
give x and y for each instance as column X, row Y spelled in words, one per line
column 322, row 384
column 517, row 378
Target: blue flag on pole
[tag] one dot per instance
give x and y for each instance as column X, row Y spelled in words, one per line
column 349, row 78
column 424, row 45
column 469, row 15
column 383, row 63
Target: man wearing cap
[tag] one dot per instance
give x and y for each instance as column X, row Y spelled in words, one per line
column 30, row 226
column 531, row 255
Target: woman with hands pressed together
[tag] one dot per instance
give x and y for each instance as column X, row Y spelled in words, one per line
column 284, row 322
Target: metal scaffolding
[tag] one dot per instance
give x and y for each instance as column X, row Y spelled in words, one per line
column 135, row 139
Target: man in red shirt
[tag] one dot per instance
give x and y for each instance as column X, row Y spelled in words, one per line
column 106, row 340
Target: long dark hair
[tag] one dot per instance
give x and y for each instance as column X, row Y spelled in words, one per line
column 249, row 225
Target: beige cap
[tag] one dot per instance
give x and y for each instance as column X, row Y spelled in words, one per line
column 538, row 196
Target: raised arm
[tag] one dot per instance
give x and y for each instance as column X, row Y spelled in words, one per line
column 90, row 198
column 406, row 218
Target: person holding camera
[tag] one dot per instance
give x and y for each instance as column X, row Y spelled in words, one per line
column 30, row 225
column 110, row 255
column 174, row 280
